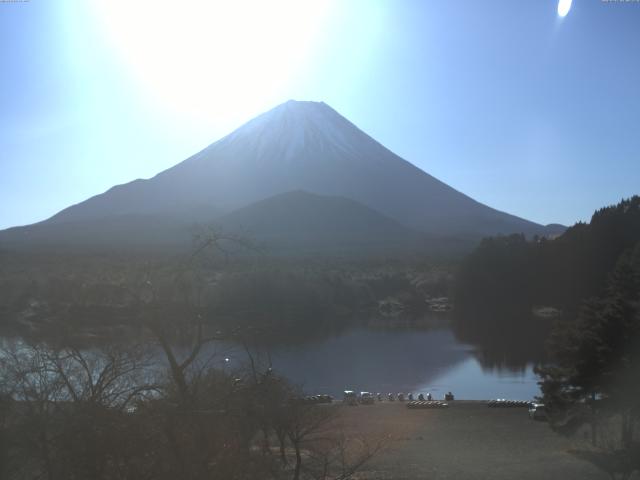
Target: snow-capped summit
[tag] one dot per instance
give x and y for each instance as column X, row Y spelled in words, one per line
column 288, row 132
column 294, row 125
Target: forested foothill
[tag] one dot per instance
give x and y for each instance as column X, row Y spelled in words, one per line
column 511, row 288
column 513, row 274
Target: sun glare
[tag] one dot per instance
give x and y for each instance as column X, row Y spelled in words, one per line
column 563, row 7
column 199, row 57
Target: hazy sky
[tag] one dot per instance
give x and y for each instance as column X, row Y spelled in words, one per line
column 504, row 100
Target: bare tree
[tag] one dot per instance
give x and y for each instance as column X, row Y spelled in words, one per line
column 66, row 405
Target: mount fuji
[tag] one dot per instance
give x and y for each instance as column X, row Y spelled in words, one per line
column 298, row 153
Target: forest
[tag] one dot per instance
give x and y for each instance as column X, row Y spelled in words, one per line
column 512, row 273
column 101, row 297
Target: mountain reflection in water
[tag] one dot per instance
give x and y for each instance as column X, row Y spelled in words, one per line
column 395, row 361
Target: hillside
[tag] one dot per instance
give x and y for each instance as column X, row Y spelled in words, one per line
column 500, row 283
column 302, row 221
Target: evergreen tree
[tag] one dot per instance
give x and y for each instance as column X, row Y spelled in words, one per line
column 596, row 358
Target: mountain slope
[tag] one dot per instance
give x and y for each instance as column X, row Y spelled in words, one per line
column 297, row 146
column 115, row 232
column 303, row 146
column 303, row 221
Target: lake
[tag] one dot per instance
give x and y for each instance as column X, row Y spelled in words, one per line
column 417, row 361
column 384, row 360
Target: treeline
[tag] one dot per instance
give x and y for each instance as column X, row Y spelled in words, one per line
column 512, row 274
column 114, row 414
column 284, row 299
column 505, row 278
column 294, row 304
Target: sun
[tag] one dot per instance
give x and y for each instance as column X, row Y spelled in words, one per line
column 563, row 7
column 204, row 57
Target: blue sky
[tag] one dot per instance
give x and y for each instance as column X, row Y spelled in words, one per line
column 523, row 110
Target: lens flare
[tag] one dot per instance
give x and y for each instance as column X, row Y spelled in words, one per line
column 563, row 7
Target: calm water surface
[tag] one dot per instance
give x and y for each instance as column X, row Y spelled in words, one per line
column 395, row 361
column 362, row 359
